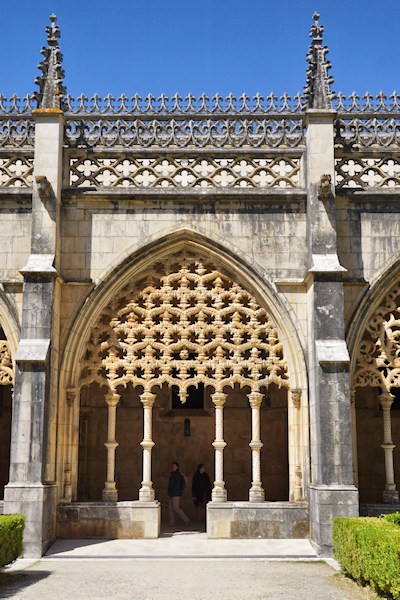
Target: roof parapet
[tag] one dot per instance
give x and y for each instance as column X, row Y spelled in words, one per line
column 318, row 86
column 51, row 88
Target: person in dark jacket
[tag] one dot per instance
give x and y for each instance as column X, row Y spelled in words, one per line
column 201, row 491
column 176, row 485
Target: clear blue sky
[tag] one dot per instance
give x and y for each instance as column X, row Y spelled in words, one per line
column 209, row 45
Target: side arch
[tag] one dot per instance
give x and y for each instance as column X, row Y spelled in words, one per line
column 373, row 341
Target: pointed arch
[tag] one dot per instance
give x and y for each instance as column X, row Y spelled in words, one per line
column 248, row 274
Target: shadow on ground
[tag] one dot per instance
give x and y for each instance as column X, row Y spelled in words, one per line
column 13, row 582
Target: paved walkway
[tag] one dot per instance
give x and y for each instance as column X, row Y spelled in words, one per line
column 178, row 567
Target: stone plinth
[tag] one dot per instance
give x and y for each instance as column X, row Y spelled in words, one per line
column 109, row 520
column 277, row 520
column 326, row 503
column 36, row 502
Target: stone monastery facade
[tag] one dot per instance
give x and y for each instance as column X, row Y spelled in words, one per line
column 202, row 280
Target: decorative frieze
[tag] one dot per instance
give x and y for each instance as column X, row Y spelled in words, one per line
column 185, row 172
column 359, row 171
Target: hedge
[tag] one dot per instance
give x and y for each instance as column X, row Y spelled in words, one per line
column 11, row 531
column 368, row 550
column 393, row 518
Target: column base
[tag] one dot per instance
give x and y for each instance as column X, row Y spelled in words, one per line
column 38, row 503
column 110, row 495
column 146, row 494
column 326, row 503
column 256, row 494
column 391, row 496
column 219, row 494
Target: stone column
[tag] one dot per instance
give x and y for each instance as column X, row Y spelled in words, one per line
column 256, row 492
column 298, row 485
column 146, row 492
column 219, row 492
column 390, row 494
column 332, row 491
column 70, row 401
column 110, row 492
column 32, row 486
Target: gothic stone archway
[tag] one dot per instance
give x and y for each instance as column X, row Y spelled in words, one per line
column 185, row 323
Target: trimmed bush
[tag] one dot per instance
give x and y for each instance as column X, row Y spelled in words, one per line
column 368, row 550
column 11, row 531
column 393, row 518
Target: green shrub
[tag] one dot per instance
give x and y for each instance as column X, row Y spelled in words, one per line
column 393, row 518
column 368, row 550
column 11, row 530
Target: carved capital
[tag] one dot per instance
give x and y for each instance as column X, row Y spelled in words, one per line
column 147, row 399
column 386, row 400
column 112, row 399
column 219, row 399
column 255, row 399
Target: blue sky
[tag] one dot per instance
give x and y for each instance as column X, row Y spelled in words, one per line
column 209, row 45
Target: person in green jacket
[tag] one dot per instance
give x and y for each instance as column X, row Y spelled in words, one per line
column 176, row 485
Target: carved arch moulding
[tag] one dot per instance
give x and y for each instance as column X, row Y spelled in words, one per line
column 182, row 323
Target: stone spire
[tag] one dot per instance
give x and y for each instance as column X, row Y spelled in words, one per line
column 51, row 88
column 318, row 87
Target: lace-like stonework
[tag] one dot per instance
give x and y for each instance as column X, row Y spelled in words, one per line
column 378, row 360
column 186, row 323
column 184, row 172
column 6, row 370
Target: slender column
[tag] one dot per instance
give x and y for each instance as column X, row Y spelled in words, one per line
column 390, row 494
column 256, row 492
column 146, row 492
column 219, row 492
column 298, row 486
column 110, row 492
column 71, row 395
column 354, row 434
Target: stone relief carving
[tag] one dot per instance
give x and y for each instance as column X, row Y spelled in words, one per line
column 184, row 323
column 6, row 367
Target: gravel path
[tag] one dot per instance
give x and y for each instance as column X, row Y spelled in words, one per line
column 168, row 579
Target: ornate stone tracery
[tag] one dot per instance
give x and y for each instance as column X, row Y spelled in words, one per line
column 183, row 324
column 378, row 359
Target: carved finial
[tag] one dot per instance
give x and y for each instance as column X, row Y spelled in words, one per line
column 51, row 88
column 318, row 87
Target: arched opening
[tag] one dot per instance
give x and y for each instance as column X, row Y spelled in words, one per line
column 6, row 383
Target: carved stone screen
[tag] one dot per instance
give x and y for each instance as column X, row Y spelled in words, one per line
column 184, row 323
